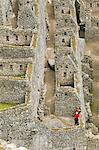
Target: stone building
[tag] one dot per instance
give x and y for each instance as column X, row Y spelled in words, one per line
column 92, row 19
column 67, row 52
column 22, row 75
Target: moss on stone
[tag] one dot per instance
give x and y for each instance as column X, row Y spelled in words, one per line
column 35, row 40
column 86, row 98
column 92, row 106
column 74, row 43
column 36, row 7
column 29, row 71
column 55, row 129
column 91, row 89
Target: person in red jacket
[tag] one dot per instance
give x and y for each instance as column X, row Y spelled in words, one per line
column 78, row 109
column 76, row 118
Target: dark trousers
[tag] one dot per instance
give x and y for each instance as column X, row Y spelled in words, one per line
column 76, row 121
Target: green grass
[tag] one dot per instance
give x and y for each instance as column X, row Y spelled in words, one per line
column 36, row 7
column 4, row 106
column 86, row 99
column 29, row 71
column 35, row 40
column 91, row 90
column 92, row 106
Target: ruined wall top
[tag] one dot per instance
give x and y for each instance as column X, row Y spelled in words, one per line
column 17, row 13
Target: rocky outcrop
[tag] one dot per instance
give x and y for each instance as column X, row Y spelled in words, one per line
column 9, row 146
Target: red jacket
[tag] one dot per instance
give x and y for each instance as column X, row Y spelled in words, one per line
column 76, row 116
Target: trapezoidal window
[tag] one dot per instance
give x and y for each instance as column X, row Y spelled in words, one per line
column 27, row 15
column 65, row 33
column 63, row 40
column 90, row 4
column 16, row 37
column 26, row 37
column 62, row 11
column 7, row 38
column 21, row 67
column 11, row 67
column 64, row 74
column 6, row 17
column 65, row 20
column 1, row 67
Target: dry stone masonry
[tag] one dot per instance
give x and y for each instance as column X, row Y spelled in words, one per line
column 25, row 29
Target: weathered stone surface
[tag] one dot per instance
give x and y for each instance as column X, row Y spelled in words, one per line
column 9, row 146
column 66, row 101
column 7, row 52
column 13, row 91
column 25, row 124
column 93, row 128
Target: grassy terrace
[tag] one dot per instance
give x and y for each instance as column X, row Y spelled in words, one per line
column 19, row 77
column 29, row 71
column 36, row 8
column 4, row 106
column 34, row 44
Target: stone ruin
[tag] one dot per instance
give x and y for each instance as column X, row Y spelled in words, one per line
column 25, row 62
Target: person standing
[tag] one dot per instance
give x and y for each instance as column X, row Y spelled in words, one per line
column 78, row 109
column 76, row 118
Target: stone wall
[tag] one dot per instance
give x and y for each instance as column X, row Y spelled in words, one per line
column 93, row 4
column 15, row 36
column 13, row 68
column 95, row 21
column 87, row 78
column 35, row 135
column 4, row 145
column 68, row 60
column 93, row 28
column 61, row 139
column 65, row 70
column 26, row 14
column 94, row 32
column 6, row 11
column 12, row 52
column 13, row 91
column 39, row 62
column 66, row 102
column 17, row 125
column 92, row 20
column 18, row 14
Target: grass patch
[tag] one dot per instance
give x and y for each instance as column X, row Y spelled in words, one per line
column 92, row 106
column 86, row 98
column 1, row 148
column 36, row 8
column 4, row 106
column 91, row 89
column 74, row 43
column 55, row 129
column 29, row 71
column 35, row 40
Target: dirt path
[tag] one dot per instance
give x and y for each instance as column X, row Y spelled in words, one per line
column 95, row 13
column 93, row 50
column 49, row 73
column 51, row 17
